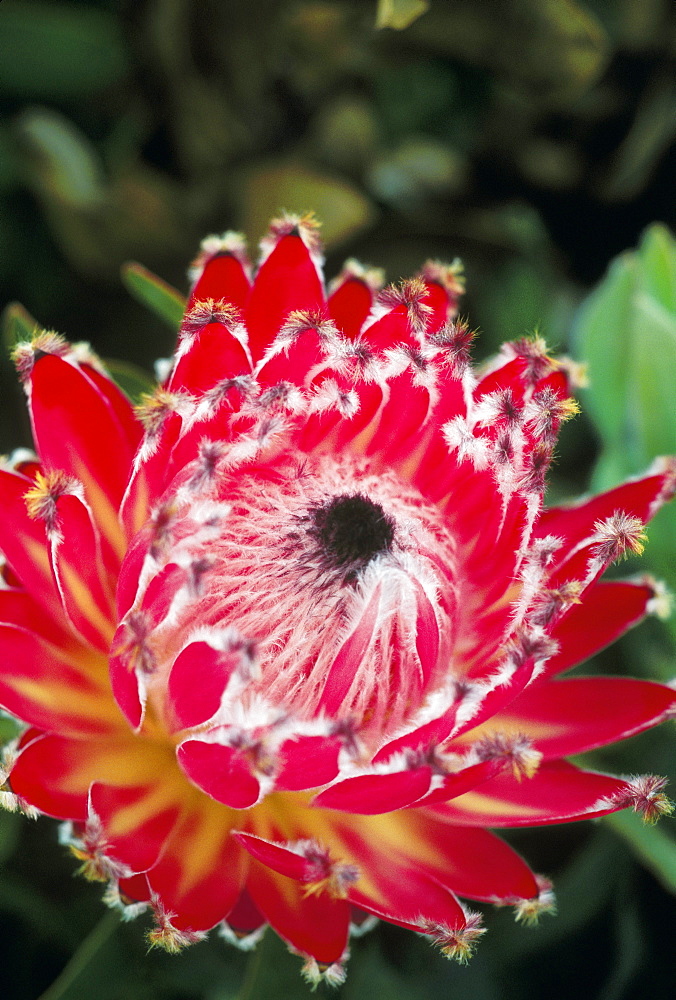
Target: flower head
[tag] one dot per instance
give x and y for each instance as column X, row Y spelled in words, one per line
column 287, row 639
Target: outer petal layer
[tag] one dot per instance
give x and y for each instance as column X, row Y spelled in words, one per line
column 608, row 610
column 54, row 688
column 55, row 773
column 76, row 430
column 23, row 540
column 557, row 793
column 202, row 869
column 315, row 925
column 566, row 717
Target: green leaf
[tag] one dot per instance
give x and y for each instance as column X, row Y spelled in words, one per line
column 25, row 903
column 650, row 135
column 58, row 159
column 583, row 890
column 59, row 50
column 652, row 365
column 417, row 96
column 165, row 301
column 547, row 46
column 67, row 986
column 10, row 831
column 8, row 164
column 10, row 727
column 17, row 325
column 98, row 218
column 629, row 944
column 602, row 334
column 658, row 272
column 652, row 844
column 368, row 972
column 626, row 332
column 399, row 13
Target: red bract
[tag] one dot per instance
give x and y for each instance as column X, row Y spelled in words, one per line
column 289, row 639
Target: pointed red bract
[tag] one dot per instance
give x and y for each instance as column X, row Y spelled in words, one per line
column 197, row 682
column 286, row 282
column 473, row 863
column 77, row 565
column 17, row 607
column 122, row 408
column 23, row 541
column 609, row 609
column 137, row 820
column 349, row 306
column 223, row 278
column 312, row 924
column 223, row 772
column 639, row 498
column 56, row 772
column 76, row 430
column 211, row 351
column 558, row 793
column 308, row 762
column 395, row 886
column 571, row 716
column 371, row 794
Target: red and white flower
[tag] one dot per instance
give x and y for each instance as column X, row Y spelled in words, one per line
column 289, row 638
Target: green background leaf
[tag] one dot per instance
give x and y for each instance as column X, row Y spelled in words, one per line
column 626, row 331
column 59, row 50
column 165, row 301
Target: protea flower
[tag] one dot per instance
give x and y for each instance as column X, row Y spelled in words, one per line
column 288, row 639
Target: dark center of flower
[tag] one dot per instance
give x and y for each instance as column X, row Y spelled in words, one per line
column 352, row 530
column 330, row 571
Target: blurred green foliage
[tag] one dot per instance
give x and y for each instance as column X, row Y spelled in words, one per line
column 534, row 138
column 627, row 323
column 154, row 293
column 626, row 332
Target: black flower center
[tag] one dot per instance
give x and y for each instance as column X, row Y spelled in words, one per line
column 351, row 530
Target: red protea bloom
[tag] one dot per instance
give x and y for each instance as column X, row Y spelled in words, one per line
column 288, row 640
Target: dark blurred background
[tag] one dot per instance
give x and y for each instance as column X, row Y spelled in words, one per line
column 532, row 138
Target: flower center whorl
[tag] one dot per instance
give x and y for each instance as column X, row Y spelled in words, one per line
column 341, row 580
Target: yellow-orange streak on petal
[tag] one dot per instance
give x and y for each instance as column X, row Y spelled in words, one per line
column 103, row 511
column 206, row 826
column 90, row 610
column 509, row 726
column 485, row 805
column 94, row 706
column 286, row 817
column 167, row 790
column 508, row 597
column 121, row 761
column 141, row 504
column 408, row 466
column 39, row 556
column 469, row 651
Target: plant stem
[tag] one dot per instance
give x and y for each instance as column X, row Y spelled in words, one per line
column 82, row 957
